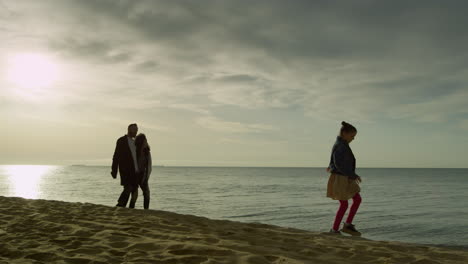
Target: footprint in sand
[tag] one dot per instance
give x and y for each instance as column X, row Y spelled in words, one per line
column 175, row 247
column 228, row 233
column 211, row 240
column 255, row 259
column 83, row 233
column 42, row 256
column 290, row 240
column 72, row 244
column 87, row 251
column 271, row 258
column 11, row 254
column 447, row 256
column 117, row 253
column 249, row 230
column 187, row 260
column 32, row 244
column 201, row 251
column 78, row 261
column 425, row 261
column 136, row 254
column 120, row 244
column 146, row 247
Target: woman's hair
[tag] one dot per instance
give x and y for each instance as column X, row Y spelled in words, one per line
column 139, row 140
column 347, row 128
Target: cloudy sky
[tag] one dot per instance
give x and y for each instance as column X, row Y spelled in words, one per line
column 235, row 83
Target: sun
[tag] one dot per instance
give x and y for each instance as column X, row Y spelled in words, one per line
column 32, row 70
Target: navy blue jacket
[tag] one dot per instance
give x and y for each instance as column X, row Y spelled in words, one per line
column 342, row 159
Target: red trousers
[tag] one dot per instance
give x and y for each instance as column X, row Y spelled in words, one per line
column 342, row 210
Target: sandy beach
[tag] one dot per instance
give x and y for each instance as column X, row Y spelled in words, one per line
column 42, row 231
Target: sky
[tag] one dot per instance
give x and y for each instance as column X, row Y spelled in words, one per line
column 235, row 83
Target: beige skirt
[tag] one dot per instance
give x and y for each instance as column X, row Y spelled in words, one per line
column 341, row 187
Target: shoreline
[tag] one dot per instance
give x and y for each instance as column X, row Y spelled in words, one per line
column 46, row 231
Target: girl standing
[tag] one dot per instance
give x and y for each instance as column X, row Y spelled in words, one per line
column 343, row 183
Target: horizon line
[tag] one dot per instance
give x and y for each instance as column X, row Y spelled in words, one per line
column 225, row 166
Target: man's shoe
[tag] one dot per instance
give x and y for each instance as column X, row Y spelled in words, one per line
column 335, row 232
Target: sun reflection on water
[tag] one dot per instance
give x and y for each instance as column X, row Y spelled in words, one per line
column 25, row 180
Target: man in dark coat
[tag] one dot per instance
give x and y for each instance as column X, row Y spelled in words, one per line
column 125, row 159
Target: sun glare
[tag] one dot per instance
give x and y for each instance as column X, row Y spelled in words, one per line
column 31, row 70
column 26, row 179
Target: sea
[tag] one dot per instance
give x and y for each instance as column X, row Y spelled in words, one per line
column 425, row 206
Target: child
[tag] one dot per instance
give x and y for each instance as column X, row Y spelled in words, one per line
column 343, row 183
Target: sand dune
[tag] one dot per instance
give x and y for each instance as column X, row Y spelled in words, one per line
column 40, row 231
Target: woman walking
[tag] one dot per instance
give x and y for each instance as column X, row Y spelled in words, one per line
column 144, row 171
column 343, row 183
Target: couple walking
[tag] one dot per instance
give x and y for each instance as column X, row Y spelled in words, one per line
column 132, row 157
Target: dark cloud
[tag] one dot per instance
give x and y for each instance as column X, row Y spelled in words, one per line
column 297, row 29
column 237, row 78
column 146, row 66
column 97, row 50
column 312, row 54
